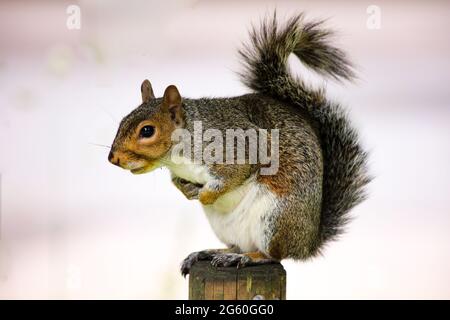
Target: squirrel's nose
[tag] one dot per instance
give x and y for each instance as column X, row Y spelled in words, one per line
column 113, row 159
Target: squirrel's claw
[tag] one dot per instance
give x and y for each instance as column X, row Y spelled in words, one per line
column 230, row 259
column 189, row 261
column 219, row 257
column 239, row 260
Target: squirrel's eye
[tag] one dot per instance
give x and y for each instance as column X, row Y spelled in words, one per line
column 147, row 132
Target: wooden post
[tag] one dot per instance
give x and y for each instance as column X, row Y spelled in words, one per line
column 266, row 282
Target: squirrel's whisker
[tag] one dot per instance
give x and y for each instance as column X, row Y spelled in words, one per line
column 100, row 145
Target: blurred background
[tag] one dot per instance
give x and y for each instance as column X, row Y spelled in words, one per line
column 74, row 226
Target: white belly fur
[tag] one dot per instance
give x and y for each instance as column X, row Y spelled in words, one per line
column 237, row 217
column 184, row 168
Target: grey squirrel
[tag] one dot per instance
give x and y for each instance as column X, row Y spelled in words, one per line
column 322, row 167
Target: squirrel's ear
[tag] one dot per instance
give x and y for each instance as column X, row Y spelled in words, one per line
column 147, row 91
column 172, row 103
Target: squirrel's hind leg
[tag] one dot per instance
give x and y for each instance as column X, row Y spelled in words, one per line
column 241, row 259
column 204, row 255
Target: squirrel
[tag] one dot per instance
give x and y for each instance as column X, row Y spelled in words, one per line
column 322, row 170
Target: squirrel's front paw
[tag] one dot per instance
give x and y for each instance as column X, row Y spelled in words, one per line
column 189, row 189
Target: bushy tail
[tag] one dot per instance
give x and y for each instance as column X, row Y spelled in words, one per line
column 266, row 71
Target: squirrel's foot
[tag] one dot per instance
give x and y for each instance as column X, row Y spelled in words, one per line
column 203, row 255
column 189, row 261
column 241, row 260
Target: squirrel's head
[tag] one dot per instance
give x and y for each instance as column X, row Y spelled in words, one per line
column 144, row 136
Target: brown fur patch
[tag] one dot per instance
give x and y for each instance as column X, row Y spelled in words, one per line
column 281, row 182
column 277, row 184
column 276, row 249
column 256, row 256
column 208, row 196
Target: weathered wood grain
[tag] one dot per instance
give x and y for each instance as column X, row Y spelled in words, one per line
column 263, row 282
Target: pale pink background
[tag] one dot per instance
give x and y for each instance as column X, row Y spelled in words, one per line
column 74, row 226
